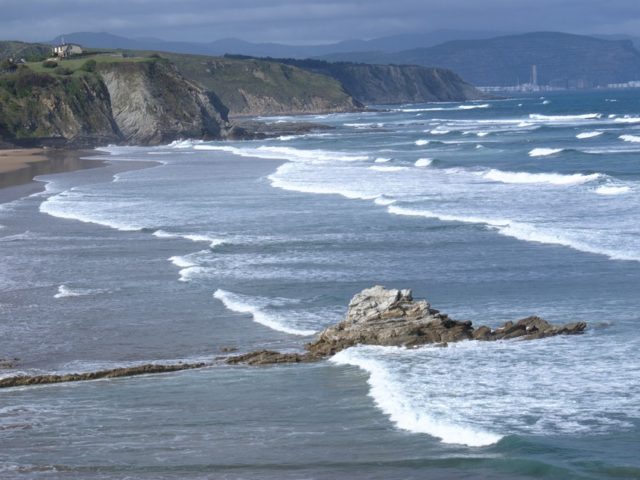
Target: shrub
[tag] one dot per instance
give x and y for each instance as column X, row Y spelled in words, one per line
column 49, row 64
column 89, row 66
column 63, row 71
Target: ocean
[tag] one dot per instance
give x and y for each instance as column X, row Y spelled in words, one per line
column 492, row 210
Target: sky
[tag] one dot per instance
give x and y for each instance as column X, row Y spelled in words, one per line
column 309, row 21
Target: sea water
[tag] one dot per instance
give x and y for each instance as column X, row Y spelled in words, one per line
column 491, row 210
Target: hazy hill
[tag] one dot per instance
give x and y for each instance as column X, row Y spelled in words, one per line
column 562, row 59
column 18, row 50
column 240, row 47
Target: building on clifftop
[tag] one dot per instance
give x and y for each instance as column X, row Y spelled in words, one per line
column 66, row 50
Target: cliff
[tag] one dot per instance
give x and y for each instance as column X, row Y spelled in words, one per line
column 153, row 104
column 41, row 108
column 394, row 83
column 250, row 86
column 142, row 102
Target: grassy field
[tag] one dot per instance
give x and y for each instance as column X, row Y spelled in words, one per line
column 75, row 63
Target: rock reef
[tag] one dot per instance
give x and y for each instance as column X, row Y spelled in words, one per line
column 390, row 317
column 26, row 380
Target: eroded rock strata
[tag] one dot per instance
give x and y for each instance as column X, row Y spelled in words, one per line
column 390, row 317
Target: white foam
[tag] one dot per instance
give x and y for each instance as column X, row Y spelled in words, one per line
column 584, row 135
column 184, row 144
column 612, row 189
column 182, row 262
column 384, row 168
column 544, row 152
column 627, row 120
column 423, row 162
column 384, row 200
column 440, row 131
column 473, row 107
column 482, row 134
column 198, row 238
column 539, row 178
column 522, row 231
column 388, row 392
column 65, row 291
column 286, row 153
column 382, row 160
column 564, row 118
column 420, row 143
column 546, row 102
column 630, row 138
column 257, row 307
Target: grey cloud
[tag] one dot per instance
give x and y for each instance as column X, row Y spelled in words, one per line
column 307, row 21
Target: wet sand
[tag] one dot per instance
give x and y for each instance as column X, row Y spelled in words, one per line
column 19, row 166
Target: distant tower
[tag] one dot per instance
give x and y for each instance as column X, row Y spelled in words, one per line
column 534, row 75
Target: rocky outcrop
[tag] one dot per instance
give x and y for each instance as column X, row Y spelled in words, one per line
column 389, row 317
column 25, row 380
column 152, row 103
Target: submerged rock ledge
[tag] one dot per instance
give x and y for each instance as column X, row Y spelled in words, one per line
column 390, row 317
column 26, row 380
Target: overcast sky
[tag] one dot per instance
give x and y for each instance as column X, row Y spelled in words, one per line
column 309, row 21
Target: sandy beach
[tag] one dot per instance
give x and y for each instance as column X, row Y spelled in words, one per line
column 18, row 166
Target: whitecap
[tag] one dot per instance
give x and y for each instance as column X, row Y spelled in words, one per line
column 390, row 396
column 544, row 152
column 423, row 162
column 627, row 119
column 382, row 160
column 420, row 143
column 385, row 168
column 630, row 138
column 473, row 107
column 564, row 118
column 258, row 308
column 584, row 135
column 539, row 178
column 64, row 291
column 612, row 189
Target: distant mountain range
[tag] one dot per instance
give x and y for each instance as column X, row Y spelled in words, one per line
column 561, row 59
column 236, row 46
column 481, row 58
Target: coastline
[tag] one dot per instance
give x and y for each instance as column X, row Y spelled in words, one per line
column 20, row 166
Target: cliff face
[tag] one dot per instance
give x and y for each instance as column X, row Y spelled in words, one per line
column 38, row 108
column 256, row 87
column 141, row 103
column 394, row 83
column 153, row 104
column 403, row 84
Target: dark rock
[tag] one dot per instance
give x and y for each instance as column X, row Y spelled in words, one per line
column 24, row 380
column 268, row 357
column 9, row 362
column 228, row 349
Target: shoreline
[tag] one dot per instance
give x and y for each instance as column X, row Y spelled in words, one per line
column 20, row 166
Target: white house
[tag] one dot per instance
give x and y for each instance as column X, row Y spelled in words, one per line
column 67, row 50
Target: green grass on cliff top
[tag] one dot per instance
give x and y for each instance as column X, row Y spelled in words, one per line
column 75, row 63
